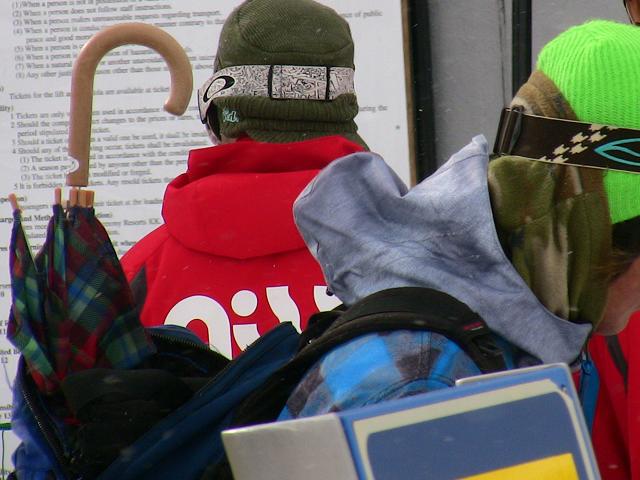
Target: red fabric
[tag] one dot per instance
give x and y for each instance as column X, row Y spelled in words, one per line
column 616, row 429
column 229, row 259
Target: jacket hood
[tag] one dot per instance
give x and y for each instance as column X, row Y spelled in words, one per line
column 235, row 200
column 440, row 234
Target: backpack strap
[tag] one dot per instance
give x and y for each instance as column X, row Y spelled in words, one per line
column 415, row 308
column 406, row 308
column 618, row 358
column 588, row 389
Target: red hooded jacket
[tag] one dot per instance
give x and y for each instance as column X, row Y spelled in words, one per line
column 229, row 262
column 616, row 426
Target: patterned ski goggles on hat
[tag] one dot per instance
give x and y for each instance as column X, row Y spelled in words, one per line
column 279, row 82
column 567, row 142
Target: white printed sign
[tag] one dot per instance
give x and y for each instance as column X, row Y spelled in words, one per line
column 136, row 147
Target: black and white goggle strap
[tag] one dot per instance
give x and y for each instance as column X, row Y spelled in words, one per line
column 280, row 82
column 569, row 142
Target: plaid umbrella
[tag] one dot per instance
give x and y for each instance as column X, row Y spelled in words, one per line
column 105, row 330
column 132, row 343
column 52, row 263
column 27, row 329
column 91, row 317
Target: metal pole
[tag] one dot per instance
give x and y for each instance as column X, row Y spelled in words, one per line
column 521, row 49
column 420, row 37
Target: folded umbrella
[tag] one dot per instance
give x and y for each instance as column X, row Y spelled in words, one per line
column 27, row 329
column 104, row 328
column 79, row 311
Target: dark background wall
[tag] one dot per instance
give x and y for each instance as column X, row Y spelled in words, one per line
column 470, row 52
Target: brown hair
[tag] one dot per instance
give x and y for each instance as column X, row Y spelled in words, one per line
column 625, row 247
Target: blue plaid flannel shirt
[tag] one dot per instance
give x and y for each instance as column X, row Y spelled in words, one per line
column 382, row 366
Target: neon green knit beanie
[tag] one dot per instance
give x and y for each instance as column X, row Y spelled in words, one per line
column 596, row 66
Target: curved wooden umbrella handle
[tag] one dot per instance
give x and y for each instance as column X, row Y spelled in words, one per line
column 84, row 70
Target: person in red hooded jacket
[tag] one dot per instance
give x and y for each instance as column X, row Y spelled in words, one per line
column 228, row 262
column 616, row 423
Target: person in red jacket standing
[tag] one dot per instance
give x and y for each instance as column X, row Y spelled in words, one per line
column 228, row 262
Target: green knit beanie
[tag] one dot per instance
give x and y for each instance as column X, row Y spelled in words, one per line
column 596, row 66
column 286, row 32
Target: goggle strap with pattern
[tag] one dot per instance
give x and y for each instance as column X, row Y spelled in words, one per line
column 567, row 142
column 278, row 82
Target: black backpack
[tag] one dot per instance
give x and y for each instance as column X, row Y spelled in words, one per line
column 407, row 308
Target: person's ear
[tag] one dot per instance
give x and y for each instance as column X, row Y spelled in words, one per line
column 633, row 10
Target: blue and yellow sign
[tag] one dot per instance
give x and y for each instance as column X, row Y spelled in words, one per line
column 528, row 430
column 560, row 467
